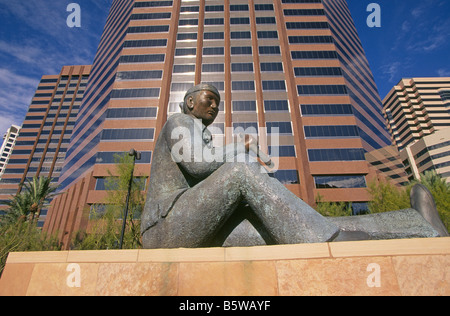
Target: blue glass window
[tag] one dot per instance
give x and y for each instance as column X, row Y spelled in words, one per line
column 111, row 157
column 128, row 134
column 276, row 105
column 284, row 128
column 286, row 176
column 331, row 131
column 326, row 109
column 336, row 154
column 135, row 93
column 340, row 182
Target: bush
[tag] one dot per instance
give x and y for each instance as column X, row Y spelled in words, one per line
column 387, row 197
column 106, row 219
column 24, row 236
column 332, row 209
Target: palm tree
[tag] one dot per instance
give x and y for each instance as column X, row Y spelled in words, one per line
column 19, row 208
column 432, row 180
column 39, row 191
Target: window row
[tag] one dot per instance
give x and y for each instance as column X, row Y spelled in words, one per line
column 153, row 58
column 135, row 93
column 115, row 113
column 128, row 134
column 45, row 88
column 336, row 154
column 306, row 25
column 114, row 157
column 18, row 161
column 244, row 106
column 282, row 151
column 209, row 36
column 151, row 16
column 322, row 90
column 43, row 95
column 149, row 29
column 148, row 4
column 139, row 75
column 58, row 123
column 221, row 21
column 326, row 109
column 269, row 106
column 310, row 39
column 145, row 43
column 286, row 176
column 235, row 50
column 329, row 131
column 340, row 182
column 283, row 128
column 40, row 102
column 317, row 71
column 25, row 142
column 273, row 85
column 48, row 81
column 233, row 7
column 235, row 67
column 314, row 55
column 301, row 12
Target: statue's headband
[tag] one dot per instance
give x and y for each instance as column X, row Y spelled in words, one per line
column 202, row 87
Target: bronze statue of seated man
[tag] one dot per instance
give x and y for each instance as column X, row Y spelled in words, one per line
column 195, row 188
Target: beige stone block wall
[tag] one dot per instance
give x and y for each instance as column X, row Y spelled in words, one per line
column 389, row 267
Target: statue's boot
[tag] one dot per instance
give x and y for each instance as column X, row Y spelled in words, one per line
column 422, row 201
column 389, row 225
column 421, row 221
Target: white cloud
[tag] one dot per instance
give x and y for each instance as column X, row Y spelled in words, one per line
column 15, row 96
column 392, row 70
column 406, row 26
column 443, row 72
column 44, row 16
column 42, row 43
column 417, row 12
column 25, row 52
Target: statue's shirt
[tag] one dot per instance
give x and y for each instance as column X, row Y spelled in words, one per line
column 183, row 157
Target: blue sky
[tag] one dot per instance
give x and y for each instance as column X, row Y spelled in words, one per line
column 35, row 40
column 413, row 41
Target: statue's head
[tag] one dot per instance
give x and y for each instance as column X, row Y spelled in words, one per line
column 202, row 101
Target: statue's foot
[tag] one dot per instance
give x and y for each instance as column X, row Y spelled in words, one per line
column 351, row 236
column 422, row 200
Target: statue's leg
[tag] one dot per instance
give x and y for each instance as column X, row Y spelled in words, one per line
column 390, row 225
column 286, row 217
column 421, row 221
column 202, row 210
column 198, row 214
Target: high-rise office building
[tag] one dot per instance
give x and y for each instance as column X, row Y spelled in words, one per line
column 9, row 140
column 417, row 107
column 294, row 65
column 430, row 153
column 417, row 113
column 388, row 165
column 45, row 134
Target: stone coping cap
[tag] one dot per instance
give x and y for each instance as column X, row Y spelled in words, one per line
column 371, row 248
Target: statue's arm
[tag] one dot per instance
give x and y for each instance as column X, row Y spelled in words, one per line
column 185, row 141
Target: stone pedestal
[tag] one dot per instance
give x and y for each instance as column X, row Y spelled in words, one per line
column 387, row 267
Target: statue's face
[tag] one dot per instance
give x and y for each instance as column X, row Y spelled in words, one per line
column 204, row 106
